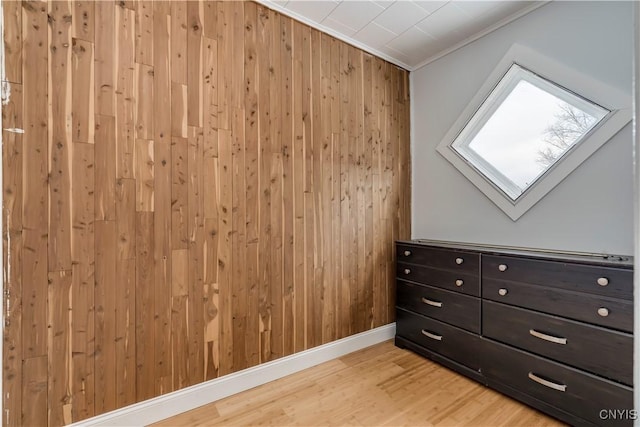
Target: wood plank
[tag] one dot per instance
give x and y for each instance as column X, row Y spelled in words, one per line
column 210, row 18
column 225, row 260
column 83, row 117
column 105, row 63
column 125, row 215
column 105, row 316
column 299, row 49
column 59, row 345
column 12, row 167
column 179, row 42
column 326, row 190
column 179, row 318
column 195, row 63
column 336, row 175
column 251, row 183
column 239, row 288
column 195, row 229
column 35, row 391
column 105, row 150
column 316, row 301
column 162, row 261
column 263, row 31
column 179, row 110
column 144, row 32
column 60, row 136
column 144, row 301
column 286, row 115
column 179, row 198
column 84, row 14
column 277, row 258
column 162, row 72
column 35, row 208
column 12, row 14
column 145, row 101
column 144, row 173
column 125, row 107
column 367, row 187
column 82, row 288
column 211, row 299
column 125, row 343
column 210, row 99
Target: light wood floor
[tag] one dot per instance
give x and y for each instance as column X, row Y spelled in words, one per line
column 378, row 386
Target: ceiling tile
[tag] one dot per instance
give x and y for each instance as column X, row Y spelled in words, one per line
column 400, row 16
column 313, row 10
column 355, row 14
column 477, row 8
column 384, row 3
column 338, row 26
column 431, row 5
column 410, row 42
column 374, row 35
column 444, row 21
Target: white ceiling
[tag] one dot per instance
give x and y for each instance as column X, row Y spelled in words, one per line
column 409, row 33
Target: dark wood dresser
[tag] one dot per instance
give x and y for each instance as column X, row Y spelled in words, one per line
column 552, row 330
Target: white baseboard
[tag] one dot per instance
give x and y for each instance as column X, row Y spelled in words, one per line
column 168, row 405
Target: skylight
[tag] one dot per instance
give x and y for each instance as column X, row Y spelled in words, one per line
column 523, row 128
column 531, row 124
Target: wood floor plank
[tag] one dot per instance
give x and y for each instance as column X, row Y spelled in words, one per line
column 83, row 118
column 379, row 385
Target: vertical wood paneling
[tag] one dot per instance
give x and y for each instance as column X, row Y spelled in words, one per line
column 83, row 285
column 200, row 187
column 12, row 250
column 35, row 208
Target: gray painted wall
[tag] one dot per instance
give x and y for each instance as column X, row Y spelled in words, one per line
column 592, row 209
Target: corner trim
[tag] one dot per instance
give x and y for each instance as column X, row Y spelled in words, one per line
column 168, row 405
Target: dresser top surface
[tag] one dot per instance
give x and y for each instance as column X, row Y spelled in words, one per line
column 608, row 260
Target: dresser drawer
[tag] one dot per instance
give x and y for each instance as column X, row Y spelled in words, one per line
column 461, row 261
column 449, row 341
column 606, row 281
column 566, row 388
column 452, row 280
column 594, row 349
column 598, row 310
column 450, row 307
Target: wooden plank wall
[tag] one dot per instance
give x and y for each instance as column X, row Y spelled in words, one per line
column 191, row 188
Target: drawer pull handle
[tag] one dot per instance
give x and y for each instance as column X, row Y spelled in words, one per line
column 502, row 267
column 459, row 261
column 546, row 383
column 603, row 281
column 407, row 253
column 502, row 291
column 431, row 302
column 407, row 271
column 459, row 282
column 604, row 312
column 432, row 335
column 546, row 337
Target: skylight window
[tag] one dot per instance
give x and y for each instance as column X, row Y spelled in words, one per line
column 532, row 123
column 523, row 128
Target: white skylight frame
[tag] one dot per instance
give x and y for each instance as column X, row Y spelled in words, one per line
column 558, row 74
